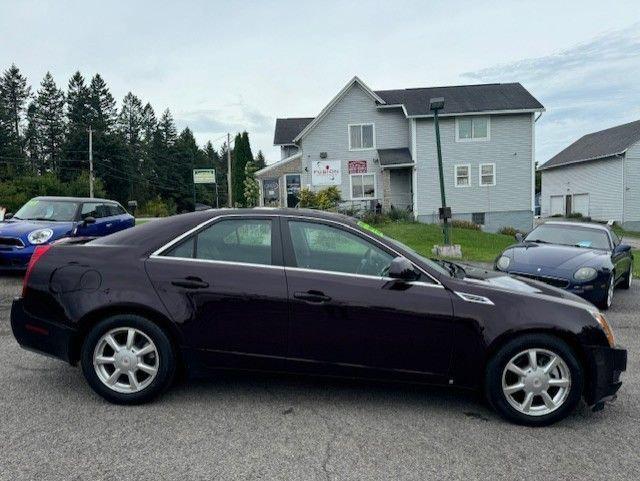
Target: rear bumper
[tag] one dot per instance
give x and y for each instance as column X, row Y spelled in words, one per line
column 40, row 335
column 606, row 365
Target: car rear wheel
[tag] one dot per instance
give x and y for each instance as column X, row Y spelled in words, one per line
column 127, row 359
column 535, row 380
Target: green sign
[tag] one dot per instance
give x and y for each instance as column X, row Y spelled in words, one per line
column 204, row 176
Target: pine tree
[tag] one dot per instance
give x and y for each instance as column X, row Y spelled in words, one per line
column 251, row 185
column 260, row 162
column 33, row 140
column 79, row 117
column 242, row 155
column 103, row 106
column 14, row 94
column 50, row 109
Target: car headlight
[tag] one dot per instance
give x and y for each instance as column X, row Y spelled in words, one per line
column 40, row 236
column 585, row 274
column 503, row 263
column 605, row 326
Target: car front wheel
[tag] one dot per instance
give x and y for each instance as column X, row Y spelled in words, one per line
column 535, row 380
column 127, row 359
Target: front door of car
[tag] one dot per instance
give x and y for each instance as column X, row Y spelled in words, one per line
column 99, row 212
column 225, row 286
column 620, row 256
column 345, row 312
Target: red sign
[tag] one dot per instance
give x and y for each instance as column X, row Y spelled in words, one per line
column 357, row 166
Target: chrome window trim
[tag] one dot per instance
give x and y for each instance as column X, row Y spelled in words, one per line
column 213, row 261
column 158, row 252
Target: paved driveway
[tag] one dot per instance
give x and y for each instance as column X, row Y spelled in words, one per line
column 248, row 427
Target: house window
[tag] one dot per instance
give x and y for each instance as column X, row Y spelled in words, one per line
column 361, row 137
column 363, row 186
column 463, row 175
column 472, row 128
column 487, row 174
column 477, row 218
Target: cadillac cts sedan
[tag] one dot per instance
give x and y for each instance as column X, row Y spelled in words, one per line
column 308, row 292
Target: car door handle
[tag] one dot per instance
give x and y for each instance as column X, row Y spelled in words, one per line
column 190, row 283
column 312, row 296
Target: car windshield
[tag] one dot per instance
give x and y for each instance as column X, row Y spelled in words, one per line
column 434, row 265
column 49, row 210
column 570, row 235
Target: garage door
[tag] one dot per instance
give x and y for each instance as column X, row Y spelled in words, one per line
column 557, row 205
column 581, row 204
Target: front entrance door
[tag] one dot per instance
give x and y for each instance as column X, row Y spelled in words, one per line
column 567, row 208
column 292, row 185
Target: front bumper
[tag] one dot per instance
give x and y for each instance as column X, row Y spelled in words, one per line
column 15, row 259
column 605, row 364
column 39, row 335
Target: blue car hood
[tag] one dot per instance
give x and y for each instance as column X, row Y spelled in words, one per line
column 21, row 228
column 552, row 255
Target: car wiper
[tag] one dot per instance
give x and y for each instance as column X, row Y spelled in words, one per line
column 42, row 218
column 537, row 241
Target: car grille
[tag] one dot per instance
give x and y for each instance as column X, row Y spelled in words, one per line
column 553, row 281
column 6, row 242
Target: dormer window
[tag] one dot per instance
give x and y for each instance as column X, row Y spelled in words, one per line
column 469, row 129
column 361, row 137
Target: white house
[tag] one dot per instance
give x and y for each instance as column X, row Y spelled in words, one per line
column 597, row 176
column 379, row 147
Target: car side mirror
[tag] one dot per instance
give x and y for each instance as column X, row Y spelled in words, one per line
column 519, row 236
column 401, row 268
column 89, row 220
column 620, row 248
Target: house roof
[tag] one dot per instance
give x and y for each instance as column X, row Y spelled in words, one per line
column 597, row 145
column 463, row 99
column 390, row 157
column 460, row 99
column 279, row 163
column 288, row 129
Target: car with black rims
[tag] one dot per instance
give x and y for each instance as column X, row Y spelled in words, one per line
column 309, row 292
column 586, row 259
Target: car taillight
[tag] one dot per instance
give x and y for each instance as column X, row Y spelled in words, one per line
column 38, row 252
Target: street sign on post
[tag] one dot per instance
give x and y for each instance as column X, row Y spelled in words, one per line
column 204, row 176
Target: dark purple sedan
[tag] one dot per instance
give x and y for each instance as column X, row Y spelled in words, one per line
column 309, row 292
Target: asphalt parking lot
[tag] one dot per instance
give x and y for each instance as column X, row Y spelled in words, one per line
column 52, row 426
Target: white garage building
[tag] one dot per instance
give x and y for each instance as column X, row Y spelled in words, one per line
column 597, row 176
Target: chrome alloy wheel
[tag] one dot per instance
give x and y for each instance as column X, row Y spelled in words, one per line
column 126, row 360
column 536, row 382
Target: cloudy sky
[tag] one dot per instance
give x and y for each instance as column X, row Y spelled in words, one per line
column 229, row 66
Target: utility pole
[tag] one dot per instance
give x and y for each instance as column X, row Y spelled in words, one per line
column 436, row 104
column 90, row 162
column 229, row 192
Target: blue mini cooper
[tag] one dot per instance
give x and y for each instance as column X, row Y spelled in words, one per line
column 43, row 220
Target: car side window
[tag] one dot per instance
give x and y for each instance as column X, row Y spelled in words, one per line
column 237, row 240
column 89, row 209
column 323, row 247
column 115, row 209
column 615, row 239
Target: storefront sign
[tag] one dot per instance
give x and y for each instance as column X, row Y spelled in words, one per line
column 270, row 188
column 357, row 166
column 204, row 176
column 326, row 172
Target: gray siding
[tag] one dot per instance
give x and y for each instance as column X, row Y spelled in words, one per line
column 509, row 147
column 331, row 136
column 601, row 179
column 287, row 151
column 493, row 221
column 632, row 188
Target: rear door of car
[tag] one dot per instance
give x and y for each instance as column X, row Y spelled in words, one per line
column 224, row 284
column 346, row 313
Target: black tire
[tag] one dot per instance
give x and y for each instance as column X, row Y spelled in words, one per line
column 166, row 359
column 603, row 304
column 496, row 365
column 626, row 282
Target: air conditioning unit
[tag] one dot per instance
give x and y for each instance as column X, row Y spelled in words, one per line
column 323, row 155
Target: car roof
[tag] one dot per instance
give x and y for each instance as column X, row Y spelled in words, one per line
column 591, row 225
column 75, row 199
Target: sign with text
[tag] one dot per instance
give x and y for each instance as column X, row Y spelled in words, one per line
column 326, row 172
column 357, row 166
column 204, row 176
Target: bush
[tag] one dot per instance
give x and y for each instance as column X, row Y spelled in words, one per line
column 400, row 215
column 508, row 230
column 574, row 215
column 464, row 224
column 157, row 208
column 324, row 199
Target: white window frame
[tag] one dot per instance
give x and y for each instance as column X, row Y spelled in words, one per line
column 473, row 139
column 455, row 175
column 375, row 186
column 355, row 149
column 493, row 176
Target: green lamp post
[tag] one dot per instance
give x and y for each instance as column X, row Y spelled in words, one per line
column 436, row 104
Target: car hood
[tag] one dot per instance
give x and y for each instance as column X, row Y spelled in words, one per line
column 551, row 255
column 500, row 280
column 20, row 228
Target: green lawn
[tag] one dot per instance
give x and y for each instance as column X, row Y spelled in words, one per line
column 476, row 245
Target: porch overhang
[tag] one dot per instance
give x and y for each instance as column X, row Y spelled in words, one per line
column 395, row 158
